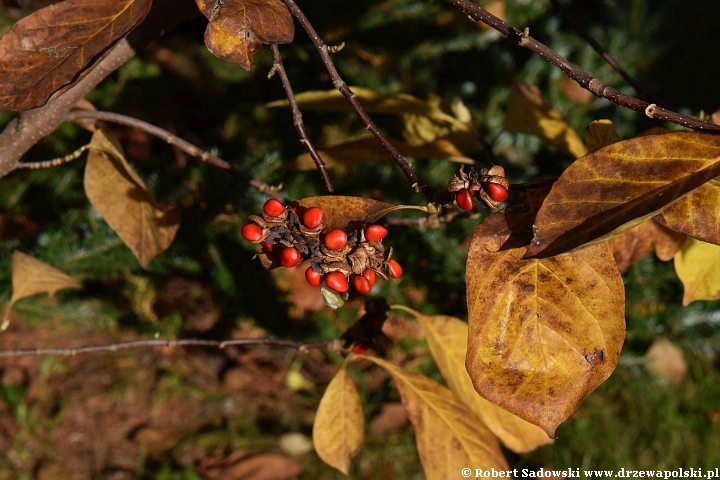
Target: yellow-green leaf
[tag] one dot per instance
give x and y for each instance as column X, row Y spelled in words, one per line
column 448, row 338
column 698, row 266
column 449, row 436
column 600, row 133
column 528, row 112
column 339, row 426
column 619, row 186
column 543, row 334
column 126, row 204
column 366, row 150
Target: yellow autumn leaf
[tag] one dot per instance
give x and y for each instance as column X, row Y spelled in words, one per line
column 528, row 112
column 600, row 133
column 698, row 266
column 447, row 338
column 30, row 276
column 125, row 203
column 448, row 434
column 339, row 426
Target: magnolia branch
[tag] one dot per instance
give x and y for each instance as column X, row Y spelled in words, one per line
column 350, row 96
column 297, row 116
column 586, row 80
column 185, row 342
column 171, row 139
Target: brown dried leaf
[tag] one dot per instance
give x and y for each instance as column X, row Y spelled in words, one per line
column 619, row 186
column 574, row 91
column 30, row 276
column 698, row 267
column 640, row 241
column 696, row 214
column 350, row 213
column 339, row 426
column 448, row 338
column 543, row 333
column 238, row 28
column 666, row 360
column 50, row 50
column 123, row 200
column 367, row 150
column 392, row 418
column 240, row 465
column 600, row 133
column 528, row 112
column 449, row 436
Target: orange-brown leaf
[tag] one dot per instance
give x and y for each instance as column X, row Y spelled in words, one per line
column 600, row 133
column 349, row 213
column 55, row 47
column 640, row 241
column 126, row 204
column 448, row 339
column 339, row 426
column 697, row 214
column 543, row 333
column 617, row 187
column 238, row 28
column 449, row 436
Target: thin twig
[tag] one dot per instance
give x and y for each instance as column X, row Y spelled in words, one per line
column 586, row 80
column 297, row 117
column 185, row 342
column 55, row 161
column 644, row 94
column 183, row 145
column 350, row 96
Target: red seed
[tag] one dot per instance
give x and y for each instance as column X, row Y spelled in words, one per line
column 290, row 257
column 497, row 192
column 464, row 199
column 375, row 233
column 337, row 282
column 273, row 208
column 312, row 277
column 362, row 284
column 266, row 246
column 335, row 239
column 370, row 275
column 360, row 347
column 251, row 232
column 313, row 217
column 394, row 268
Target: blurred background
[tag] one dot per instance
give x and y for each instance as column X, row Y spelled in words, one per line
column 194, row 413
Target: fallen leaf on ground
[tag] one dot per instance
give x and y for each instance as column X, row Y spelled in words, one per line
column 666, row 360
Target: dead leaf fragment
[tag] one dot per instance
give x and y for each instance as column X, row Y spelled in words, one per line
column 53, row 48
column 30, row 276
column 392, row 418
column 698, row 267
column 449, row 436
column 448, row 339
column 339, row 426
column 640, row 241
column 528, row 112
column 125, row 203
column 238, row 28
column 575, row 92
column 533, row 322
column 667, row 361
column 619, row 186
column 697, row 214
column 241, row 465
column 349, row 213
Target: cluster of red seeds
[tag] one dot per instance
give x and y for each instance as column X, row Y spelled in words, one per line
column 465, row 198
column 337, row 258
column 488, row 185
